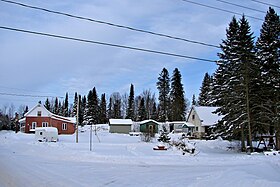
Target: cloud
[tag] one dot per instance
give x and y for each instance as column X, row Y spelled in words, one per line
column 57, row 66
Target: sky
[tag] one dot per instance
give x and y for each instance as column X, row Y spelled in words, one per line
column 43, row 66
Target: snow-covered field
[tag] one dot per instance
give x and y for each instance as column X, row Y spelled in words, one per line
column 123, row 160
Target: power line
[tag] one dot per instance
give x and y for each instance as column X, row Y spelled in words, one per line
column 110, row 24
column 241, row 6
column 220, row 9
column 106, row 44
column 264, row 3
column 26, row 95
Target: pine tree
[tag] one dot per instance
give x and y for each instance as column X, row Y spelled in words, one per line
column 110, row 109
column 74, row 111
column 205, row 98
column 47, row 104
column 95, row 108
column 142, row 113
column 177, row 97
column 233, row 80
column 194, row 102
column 163, row 86
column 82, row 110
column 65, row 106
column 130, row 109
column 56, row 107
column 103, row 111
column 268, row 54
column 89, row 108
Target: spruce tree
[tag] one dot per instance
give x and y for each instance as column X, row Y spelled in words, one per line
column 47, row 104
column 141, row 111
column 89, row 108
column 96, row 110
column 268, row 54
column 103, row 111
column 163, row 86
column 177, row 97
column 56, row 107
column 233, row 80
column 194, row 102
column 65, row 106
column 130, row 109
column 74, row 111
column 205, row 98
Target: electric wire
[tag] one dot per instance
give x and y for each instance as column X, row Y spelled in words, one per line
column 264, row 3
column 223, row 10
column 241, row 6
column 110, row 24
column 28, row 95
column 105, row 44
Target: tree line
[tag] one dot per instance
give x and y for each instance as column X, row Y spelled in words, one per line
column 246, row 83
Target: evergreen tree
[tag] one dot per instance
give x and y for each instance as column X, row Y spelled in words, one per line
column 116, row 106
column 233, row 79
column 82, row 109
column 65, row 106
column 141, row 111
column 103, row 111
column 268, row 54
column 47, row 104
column 74, row 111
column 154, row 114
column 89, row 108
column 25, row 110
column 205, row 98
column 194, row 102
column 110, row 109
column 56, row 106
column 95, row 107
column 130, row 109
column 60, row 108
column 163, row 86
column 177, row 98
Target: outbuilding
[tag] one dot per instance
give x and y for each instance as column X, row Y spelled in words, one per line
column 150, row 126
column 120, row 126
column 46, row 134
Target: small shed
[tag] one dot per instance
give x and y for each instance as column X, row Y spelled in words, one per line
column 150, row 126
column 46, row 134
column 120, row 126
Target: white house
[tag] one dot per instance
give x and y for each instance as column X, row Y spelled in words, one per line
column 202, row 117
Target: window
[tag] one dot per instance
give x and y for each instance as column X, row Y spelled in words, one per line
column 45, row 124
column 196, row 128
column 34, row 125
column 64, row 126
column 193, row 117
column 39, row 113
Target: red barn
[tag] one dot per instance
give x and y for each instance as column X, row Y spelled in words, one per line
column 39, row 116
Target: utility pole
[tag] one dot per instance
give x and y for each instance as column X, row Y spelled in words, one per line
column 77, row 119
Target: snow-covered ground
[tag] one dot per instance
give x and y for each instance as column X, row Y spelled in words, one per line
column 123, row 160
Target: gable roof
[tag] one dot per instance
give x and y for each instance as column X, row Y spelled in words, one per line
column 149, row 120
column 206, row 115
column 120, row 121
column 49, row 114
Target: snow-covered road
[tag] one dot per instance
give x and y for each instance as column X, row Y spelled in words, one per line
column 121, row 160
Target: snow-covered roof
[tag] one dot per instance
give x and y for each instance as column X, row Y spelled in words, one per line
column 188, row 124
column 120, row 121
column 206, row 115
column 149, row 120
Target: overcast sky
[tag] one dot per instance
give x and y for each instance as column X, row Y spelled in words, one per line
column 37, row 65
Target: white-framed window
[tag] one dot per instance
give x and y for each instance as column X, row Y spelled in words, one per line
column 39, row 113
column 33, row 125
column 64, row 126
column 45, row 124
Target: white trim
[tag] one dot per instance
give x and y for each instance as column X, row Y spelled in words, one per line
column 33, row 125
column 45, row 124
